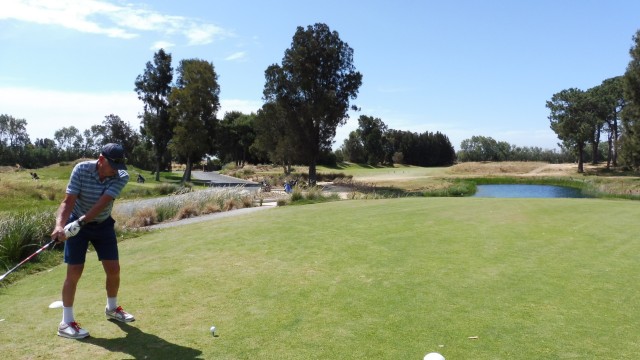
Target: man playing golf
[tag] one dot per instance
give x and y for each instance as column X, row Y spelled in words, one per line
column 86, row 211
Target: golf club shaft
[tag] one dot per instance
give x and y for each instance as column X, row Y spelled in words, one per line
column 28, row 258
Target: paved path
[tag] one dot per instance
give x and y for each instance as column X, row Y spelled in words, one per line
column 216, row 181
column 213, row 178
column 208, row 217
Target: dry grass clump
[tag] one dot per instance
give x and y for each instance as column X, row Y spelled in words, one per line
column 187, row 211
column 355, row 186
column 230, row 204
column 211, row 209
column 176, row 207
column 143, row 217
column 487, row 168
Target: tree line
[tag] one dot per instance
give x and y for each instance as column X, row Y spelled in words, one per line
column 306, row 97
column 581, row 117
column 485, row 148
column 374, row 143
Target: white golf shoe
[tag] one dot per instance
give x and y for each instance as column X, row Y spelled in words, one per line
column 72, row 330
column 119, row 314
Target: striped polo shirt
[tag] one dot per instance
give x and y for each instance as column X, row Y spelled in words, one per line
column 85, row 183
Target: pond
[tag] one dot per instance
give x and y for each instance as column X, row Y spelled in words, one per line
column 527, row 191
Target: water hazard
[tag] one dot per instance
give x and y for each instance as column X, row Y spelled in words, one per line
column 527, row 191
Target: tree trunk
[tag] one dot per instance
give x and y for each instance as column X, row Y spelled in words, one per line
column 581, row 158
column 158, row 166
column 615, row 143
column 312, row 173
column 187, row 171
column 594, row 148
column 609, row 153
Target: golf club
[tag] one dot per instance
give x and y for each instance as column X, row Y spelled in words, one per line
column 28, row 258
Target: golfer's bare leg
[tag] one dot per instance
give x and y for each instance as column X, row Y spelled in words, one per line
column 112, row 270
column 74, row 272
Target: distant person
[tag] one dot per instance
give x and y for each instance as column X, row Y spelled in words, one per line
column 86, row 211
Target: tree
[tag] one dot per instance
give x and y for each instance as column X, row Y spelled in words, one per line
column 235, row 137
column 371, row 130
column 118, row 131
column 194, row 103
column 313, row 86
column 610, row 101
column 13, row 140
column 274, row 139
column 69, row 140
column 353, row 148
column 93, row 140
column 572, row 119
column 153, row 88
column 114, row 130
column 483, row 148
column 13, row 132
column 630, row 150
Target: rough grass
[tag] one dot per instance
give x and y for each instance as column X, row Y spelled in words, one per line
column 20, row 192
column 469, row 278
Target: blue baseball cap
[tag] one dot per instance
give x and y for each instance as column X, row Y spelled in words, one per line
column 114, row 153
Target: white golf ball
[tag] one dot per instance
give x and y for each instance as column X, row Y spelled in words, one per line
column 213, row 330
column 433, row 356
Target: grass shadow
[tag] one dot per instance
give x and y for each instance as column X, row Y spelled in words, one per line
column 140, row 345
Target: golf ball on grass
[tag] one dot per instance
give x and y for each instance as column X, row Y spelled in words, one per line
column 433, row 356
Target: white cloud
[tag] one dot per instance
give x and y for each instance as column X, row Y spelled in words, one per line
column 244, row 106
column 202, row 34
column 72, row 15
column 162, row 45
column 105, row 18
column 47, row 111
column 236, row 56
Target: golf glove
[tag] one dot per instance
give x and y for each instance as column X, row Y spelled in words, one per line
column 72, row 228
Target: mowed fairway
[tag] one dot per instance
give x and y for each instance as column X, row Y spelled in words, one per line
column 470, row 278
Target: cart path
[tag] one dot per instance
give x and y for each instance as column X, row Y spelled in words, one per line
column 217, row 181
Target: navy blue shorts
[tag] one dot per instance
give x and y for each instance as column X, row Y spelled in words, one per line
column 102, row 236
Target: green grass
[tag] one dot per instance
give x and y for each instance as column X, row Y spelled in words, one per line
column 368, row 279
column 19, row 192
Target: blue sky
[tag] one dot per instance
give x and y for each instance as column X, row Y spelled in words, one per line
column 462, row 67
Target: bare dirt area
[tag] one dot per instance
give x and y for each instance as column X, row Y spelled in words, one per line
column 516, row 168
column 343, row 191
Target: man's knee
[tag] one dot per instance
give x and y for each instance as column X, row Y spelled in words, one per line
column 74, row 272
column 111, row 267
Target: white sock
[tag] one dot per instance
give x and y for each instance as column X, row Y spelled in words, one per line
column 112, row 303
column 67, row 314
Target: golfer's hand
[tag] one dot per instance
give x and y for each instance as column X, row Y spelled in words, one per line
column 58, row 234
column 72, row 229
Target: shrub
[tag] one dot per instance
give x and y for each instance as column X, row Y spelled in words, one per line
column 187, row 211
column 166, row 189
column 211, row 208
column 143, row 217
column 22, row 233
column 296, row 195
column 230, row 204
